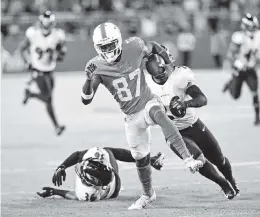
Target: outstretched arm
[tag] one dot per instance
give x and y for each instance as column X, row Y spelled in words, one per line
column 73, row 159
column 48, row 192
column 60, row 173
column 125, row 155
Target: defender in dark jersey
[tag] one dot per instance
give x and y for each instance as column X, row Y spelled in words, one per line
column 97, row 174
column 117, row 67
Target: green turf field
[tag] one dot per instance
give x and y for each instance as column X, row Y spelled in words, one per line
column 31, row 152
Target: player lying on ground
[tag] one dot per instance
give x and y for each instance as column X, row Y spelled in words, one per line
column 97, row 174
column 42, row 47
column 180, row 95
column 117, row 67
column 242, row 56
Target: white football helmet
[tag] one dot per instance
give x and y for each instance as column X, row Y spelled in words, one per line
column 107, row 41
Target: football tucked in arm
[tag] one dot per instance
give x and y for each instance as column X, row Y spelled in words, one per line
column 177, row 107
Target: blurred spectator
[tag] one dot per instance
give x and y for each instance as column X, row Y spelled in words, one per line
column 106, row 5
column 191, row 8
column 148, row 26
column 89, row 5
column 186, row 43
column 217, row 46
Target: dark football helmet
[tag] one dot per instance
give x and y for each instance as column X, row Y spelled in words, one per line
column 94, row 173
column 47, row 22
column 249, row 24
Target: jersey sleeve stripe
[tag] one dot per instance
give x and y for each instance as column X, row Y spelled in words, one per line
column 87, row 97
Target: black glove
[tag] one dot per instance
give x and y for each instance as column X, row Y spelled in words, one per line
column 177, row 107
column 47, row 192
column 59, row 176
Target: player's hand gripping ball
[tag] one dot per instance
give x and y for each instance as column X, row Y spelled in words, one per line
column 177, row 107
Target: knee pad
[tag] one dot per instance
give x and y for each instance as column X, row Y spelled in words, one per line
column 143, row 161
column 137, row 155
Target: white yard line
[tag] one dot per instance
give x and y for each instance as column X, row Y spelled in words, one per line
column 138, row 187
column 168, row 165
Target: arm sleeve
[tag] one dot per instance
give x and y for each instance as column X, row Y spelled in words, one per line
column 89, row 89
column 73, row 159
column 198, row 97
column 121, row 154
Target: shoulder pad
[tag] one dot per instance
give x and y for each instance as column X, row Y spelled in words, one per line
column 30, row 32
column 237, row 38
column 185, row 75
column 135, row 41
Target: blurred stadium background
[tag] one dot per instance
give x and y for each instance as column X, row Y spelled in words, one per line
column 211, row 22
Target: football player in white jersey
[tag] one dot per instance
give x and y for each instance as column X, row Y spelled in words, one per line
column 242, row 56
column 97, row 173
column 42, row 47
column 180, row 95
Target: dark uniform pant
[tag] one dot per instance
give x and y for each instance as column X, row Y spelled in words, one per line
column 249, row 76
column 116, row 172
column 45, row 83
column 199, row 139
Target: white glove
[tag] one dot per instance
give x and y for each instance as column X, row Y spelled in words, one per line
column 192, row 164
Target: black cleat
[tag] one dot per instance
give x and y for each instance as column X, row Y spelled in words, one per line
column 228, row 191
column 59, row 130
column 27, row 96
column 257, row 122
column 235, row 187
column 157, row 161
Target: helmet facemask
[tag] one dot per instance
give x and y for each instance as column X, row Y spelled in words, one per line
column 47, row 22
column 109, row 51
column 249, row 25
column 93, row 173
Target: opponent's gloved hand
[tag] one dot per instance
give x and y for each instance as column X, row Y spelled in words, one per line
column 177, row 107
column 157, row 161
column 192, row 164
column 59, row 175
column 90, row 71
column 47, row 192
